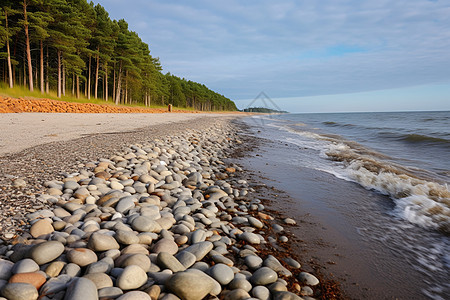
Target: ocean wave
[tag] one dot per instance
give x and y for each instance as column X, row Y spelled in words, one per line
column 419, row 138
column 420, row 201
column 330, row 123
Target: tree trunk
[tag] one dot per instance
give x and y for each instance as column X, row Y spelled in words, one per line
column 119, row 84
column 78, row 86
column 73, row 84
column 106, row 82
column 11, row 84
column 24, row 69
column 114, row 82
column 47, row 84
column 64, row 79
column 89, row 79
column 96, row 73
column 59, row 73
column 42, row 67
column 27, row 41
column 126, row 87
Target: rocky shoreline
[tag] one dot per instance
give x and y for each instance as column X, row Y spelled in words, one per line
column 169, row 218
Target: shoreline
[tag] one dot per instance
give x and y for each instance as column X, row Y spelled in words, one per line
column 104, row 139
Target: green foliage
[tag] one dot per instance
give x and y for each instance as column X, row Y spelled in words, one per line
column 68, row 36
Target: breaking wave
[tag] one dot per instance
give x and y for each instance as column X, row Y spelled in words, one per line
column 418, row 200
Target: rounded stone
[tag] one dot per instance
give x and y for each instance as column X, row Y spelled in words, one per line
column 135, row 295
column 308, row 279
column 115, row 185
column 19, row 291
column 141, row 260
column 25, row 266
column 54, row 268
column 46, row 252
column 125, row 204
column 240, row 283
column 253, row 262
column 81, row 256
column 165, row 245
column 6, row 267
column 168, row 261
column 222, row 273
column 81, row 288
column 110, row 292
column 261, row 292
column 255, row 222
column 284, row 295
column 236, row 294
column 182, row 285
column 35, row 279
column 102, row 242
column 41, row 227
column 101, row 280
column 132, row 277
column 264, row 276
column 145, row 224
column 126, row 237
column 250, row 237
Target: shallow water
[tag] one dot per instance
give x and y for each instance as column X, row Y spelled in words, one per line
column 388, row 208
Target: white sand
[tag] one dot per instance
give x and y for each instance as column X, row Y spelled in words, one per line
column 24, row 130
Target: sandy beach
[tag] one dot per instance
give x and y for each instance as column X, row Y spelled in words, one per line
column 24, row 130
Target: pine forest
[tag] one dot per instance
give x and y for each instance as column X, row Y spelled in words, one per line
column 74, row 47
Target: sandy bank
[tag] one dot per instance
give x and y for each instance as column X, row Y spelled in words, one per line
column 24, row 130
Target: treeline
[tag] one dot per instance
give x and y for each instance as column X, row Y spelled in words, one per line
column 263, row 110
column 72, row 46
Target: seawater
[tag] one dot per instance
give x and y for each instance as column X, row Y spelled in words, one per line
column 404, row 155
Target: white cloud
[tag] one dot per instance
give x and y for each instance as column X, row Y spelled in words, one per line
column 296, row 48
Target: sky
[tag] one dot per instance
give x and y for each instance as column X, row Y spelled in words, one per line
column 306, row 55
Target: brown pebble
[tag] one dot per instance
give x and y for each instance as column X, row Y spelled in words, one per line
column 41, row 227
column 35, row 279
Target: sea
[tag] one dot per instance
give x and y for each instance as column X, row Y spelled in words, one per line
column 402, row 162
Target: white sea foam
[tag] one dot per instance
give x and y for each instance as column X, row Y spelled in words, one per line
column 419, row 201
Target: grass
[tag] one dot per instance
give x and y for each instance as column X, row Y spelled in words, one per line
column 21, row 92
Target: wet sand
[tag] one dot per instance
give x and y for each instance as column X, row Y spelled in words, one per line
column 329, row 216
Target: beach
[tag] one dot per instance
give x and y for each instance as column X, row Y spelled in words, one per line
column 171, row 188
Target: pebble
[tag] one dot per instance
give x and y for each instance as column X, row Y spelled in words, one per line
column 161, row 220
column 168, row 261
column 26, row 265
column 81, row 256
column 35, row 279
column 240, row 283
column 253, row 262
column 19, row 291
column 81, row 288
column 222, row 273
column 102, row 242
column 264, row 276
column 308, row 279
column 261, row 292
column 46, row 252
column 41, row 228
column 135, row 295
column 181, row 284
column 110, row 292
column 250, row 237
column 101, row 280
column 6, row 267
column 132, row 277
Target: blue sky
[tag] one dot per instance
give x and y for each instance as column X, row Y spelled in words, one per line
column 308, row 56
